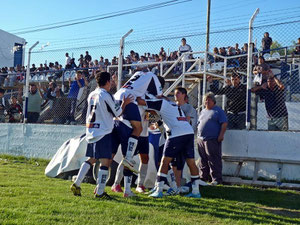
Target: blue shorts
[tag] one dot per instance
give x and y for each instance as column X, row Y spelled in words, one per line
column 120, row 136
column 179, row 161
column 100, row 149
column 183, row 145
column 132, row 113
column 142, row 146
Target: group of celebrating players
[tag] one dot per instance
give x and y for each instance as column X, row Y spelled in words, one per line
column 122, row 120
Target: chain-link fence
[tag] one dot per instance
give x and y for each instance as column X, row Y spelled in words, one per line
column 63, row 94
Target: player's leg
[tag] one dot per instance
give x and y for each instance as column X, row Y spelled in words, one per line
column 103, row 152
column 118, row 178
column 84, row 168
column 190, row 160
column 143, row 149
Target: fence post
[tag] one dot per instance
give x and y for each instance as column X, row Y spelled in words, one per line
column 120, row 63
column 224, row 74
column 27, row 83
column 249, row 70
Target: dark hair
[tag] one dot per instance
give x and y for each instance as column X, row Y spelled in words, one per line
column 2, row 91
column 235, row 74
column 102, row 78
column 79, row 72
column 182, row 90
column 183, row 39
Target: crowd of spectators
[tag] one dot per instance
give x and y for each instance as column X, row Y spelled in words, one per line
column 63, row 101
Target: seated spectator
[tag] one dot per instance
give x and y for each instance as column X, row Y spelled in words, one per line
column 261, row 71
column 232, row 62
column 245, row 49
column 11, row 78
column 15, row 111
column 4, row 106
column 273, row 93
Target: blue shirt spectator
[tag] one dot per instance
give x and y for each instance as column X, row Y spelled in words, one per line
column 74, row 88
column 209, row 123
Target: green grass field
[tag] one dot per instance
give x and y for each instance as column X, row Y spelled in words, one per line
column 27, row 196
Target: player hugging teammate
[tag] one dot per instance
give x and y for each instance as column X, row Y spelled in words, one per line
column 121, row 120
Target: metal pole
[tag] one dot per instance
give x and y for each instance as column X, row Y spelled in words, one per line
column 206, row 50
column 120, row 63
column 224, row 74
column 27, row 82
column 207, row 26
column 183, row 72
column 249, row 70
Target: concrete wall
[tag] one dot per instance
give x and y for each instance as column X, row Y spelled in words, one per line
column 42, row 141
column 7, row 42
column 35, row 140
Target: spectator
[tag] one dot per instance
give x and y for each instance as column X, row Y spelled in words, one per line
column 235, row 92
column 87, row 57
column 273, row 93
column 162, row 51
column 80, row 81
column 35, row 98
column 266, row 43
column 211, row 129
column 60, row 107
column 68, row 59
column 261, row 71
column 33, row 68
column 15, row 111
column 237, row 50
column 245, row 49
column 81, row 58
column 184, row 47
column 297, row 49
column 4, row 105
column 232, row 62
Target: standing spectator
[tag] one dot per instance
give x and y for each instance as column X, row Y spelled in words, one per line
column 211, row 129
column 162, row 51
column 80, row 81
column 297, row 49
column 266, row 43
column 273, row 93
column 15, row 111
column 60, row 107
column 184, row 47
column 35, row 98
column 4, row 105
column 235, row 93
column 87, row 57
column 237, row 50
column 68, row 59
column 261, row 71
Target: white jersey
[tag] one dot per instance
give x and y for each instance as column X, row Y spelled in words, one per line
column 102, row 108
column 185, row 48
column 173, row 117
column 140, row 84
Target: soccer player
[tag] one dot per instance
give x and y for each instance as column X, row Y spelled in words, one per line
column 143, row 150
column 137, row 86
column 180, row 140
column 102, row 107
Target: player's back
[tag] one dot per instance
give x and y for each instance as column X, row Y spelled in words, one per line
column 140, row 84
column 101, row 110
column 173, row 117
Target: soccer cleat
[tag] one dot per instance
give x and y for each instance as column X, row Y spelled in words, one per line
column 191, row 195
column 129, row 165
column 75, row 189
column 215, row 183
column 103, row 196
column 184, row 189
column 203, row 183
column 116, row 188
column 141, row 189
column 151, row 191
column 172, row 192
column 129, row 194
column 157, row 194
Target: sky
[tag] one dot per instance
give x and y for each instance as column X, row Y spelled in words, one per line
column 152, row 29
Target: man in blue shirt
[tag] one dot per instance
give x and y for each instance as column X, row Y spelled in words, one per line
column 73, row 94
column 212, row 125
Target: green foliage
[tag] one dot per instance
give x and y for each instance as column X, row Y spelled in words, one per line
column 28, row 197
